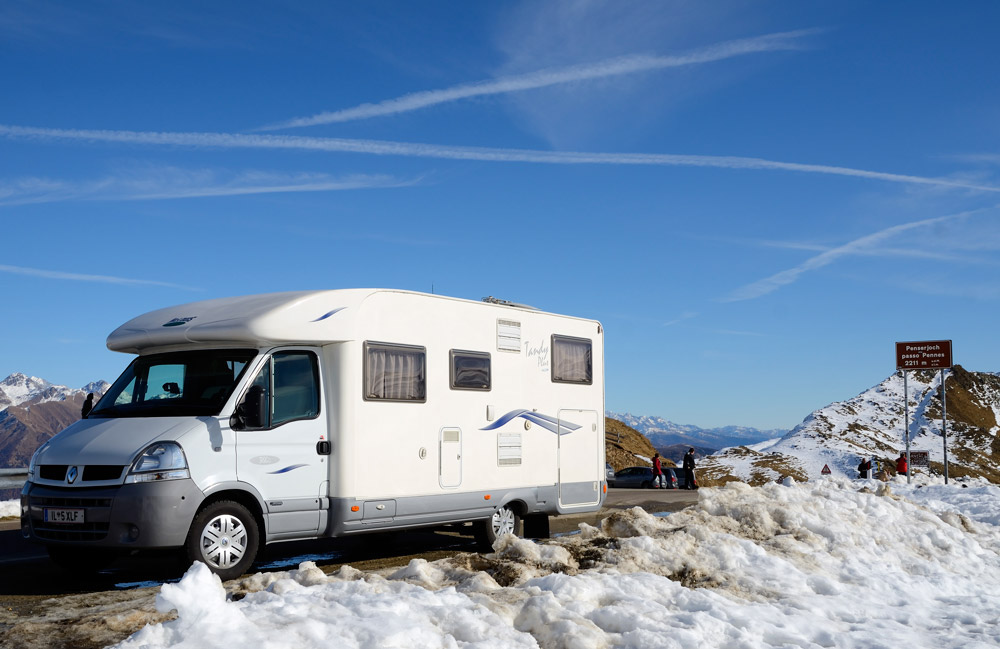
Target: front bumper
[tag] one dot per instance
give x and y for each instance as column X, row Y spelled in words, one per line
column 132, row 516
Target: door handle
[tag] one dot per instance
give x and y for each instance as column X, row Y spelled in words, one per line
column 323, row 448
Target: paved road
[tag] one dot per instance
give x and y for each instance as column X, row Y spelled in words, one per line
column 26, row 569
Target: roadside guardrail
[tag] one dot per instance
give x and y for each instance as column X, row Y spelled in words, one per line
column 13, row 478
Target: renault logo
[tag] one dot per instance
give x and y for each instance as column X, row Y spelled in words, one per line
column 71, row 474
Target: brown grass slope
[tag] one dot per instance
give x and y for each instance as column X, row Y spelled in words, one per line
column 625, row 446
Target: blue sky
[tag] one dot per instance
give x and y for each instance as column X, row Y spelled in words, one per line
column 757, row 199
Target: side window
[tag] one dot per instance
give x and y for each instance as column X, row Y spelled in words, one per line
column 395, row 373
column 296, row 387
column 288, row 386
column 470, row 370
column 572, row 360
column 126, row 395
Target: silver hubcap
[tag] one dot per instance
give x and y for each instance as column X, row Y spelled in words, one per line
column 224, row 541
column 503, row 522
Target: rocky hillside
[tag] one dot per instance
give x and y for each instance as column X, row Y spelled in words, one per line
column 624, row 446
column 871, row 425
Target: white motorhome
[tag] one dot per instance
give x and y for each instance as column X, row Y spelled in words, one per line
column 284, row 416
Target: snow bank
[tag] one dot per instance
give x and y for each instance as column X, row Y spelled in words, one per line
column 10, row 508
column 818, row 564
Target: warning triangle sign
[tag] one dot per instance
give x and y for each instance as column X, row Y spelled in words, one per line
column 826, row 469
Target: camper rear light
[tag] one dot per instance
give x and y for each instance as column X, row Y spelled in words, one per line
column 162, row 461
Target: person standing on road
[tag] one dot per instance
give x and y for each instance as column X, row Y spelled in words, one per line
column 658, row 473
column 901, row 467
column 689, row 482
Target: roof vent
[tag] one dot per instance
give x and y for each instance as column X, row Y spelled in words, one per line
column 496, row 300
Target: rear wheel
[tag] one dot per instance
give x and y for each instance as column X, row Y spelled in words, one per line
column 225, row 537
column 504, row 521
column 645, row 485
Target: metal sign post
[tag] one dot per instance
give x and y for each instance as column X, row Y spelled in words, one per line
column 923, row 355
column 944, row 424
column 906, row 425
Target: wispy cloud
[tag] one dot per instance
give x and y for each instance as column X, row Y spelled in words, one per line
column 482, row 154
column 984, row 158
column 553, row 77
column 164, row 183
column 687, row 315
column 80, row 277
column 912, row 253
column 857, row 246
column 737, row 332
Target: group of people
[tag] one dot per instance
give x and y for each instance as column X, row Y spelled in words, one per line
column 660, row 476
column 865, row 467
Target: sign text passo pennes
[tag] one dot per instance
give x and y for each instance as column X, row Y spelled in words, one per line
column 923, row 355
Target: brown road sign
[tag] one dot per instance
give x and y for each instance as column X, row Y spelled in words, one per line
column 826, row 470
column 925, row 355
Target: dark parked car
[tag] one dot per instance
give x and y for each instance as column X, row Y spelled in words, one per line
column 634, row 477
column 609, row 474
column 680, row 482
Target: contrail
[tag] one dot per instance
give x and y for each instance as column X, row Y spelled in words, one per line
column 36, row 191
column 552, row 77
column 78, row 277
column 786, row 277
column 482, row 154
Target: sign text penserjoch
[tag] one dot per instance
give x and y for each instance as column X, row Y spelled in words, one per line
column 925, row 355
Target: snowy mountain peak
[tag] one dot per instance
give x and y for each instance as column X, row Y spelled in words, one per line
column 18, row 389
column 97, row 387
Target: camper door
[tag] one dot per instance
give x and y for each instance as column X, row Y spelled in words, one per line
column 282, row 446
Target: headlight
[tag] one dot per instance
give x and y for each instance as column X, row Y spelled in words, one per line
column 163, row 461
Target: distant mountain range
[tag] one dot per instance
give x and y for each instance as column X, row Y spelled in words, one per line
column 871, row 425
column 664, row 434
column 32, row 410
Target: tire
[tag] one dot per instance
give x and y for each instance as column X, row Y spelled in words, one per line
column 80, row 561
column 225, row 537
column 504, row 521
column 645, row 485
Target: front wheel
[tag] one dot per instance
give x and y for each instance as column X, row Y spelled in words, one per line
column 225, row 537
column 504, row 521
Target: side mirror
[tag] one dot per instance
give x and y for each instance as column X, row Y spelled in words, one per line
column 252, row 411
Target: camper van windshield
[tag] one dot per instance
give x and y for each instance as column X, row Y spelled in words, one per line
column 175, row 384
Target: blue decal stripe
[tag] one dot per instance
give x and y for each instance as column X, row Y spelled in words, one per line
column 503, row 420
column 287, row 469
column 548, row 423
column 327, row 315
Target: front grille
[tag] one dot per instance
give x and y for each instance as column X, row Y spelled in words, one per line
column 94, row 472
column 74, row 532
column 96, row 503
column 52, row 472
column 69, row 501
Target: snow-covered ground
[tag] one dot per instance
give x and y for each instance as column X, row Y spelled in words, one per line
column 829, row 563
column 10, row 508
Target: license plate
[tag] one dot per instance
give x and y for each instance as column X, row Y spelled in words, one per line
column 63, row 515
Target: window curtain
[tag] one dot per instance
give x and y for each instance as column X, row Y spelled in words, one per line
column 394, row 374
column 571, row 361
